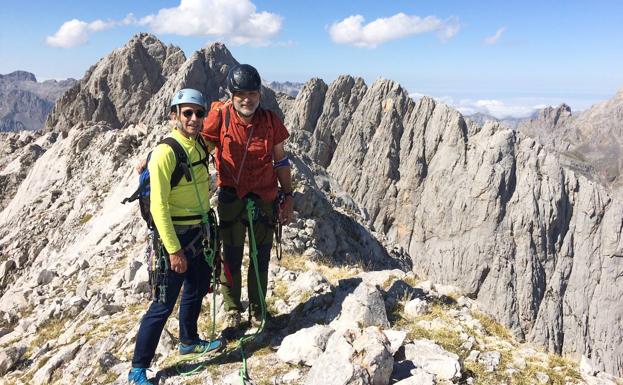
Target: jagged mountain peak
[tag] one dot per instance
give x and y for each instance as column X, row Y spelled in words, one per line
column 387, row 84
column 552, row 116
column 308, row 105
column 144, row 38
column 117, row 88
column 589, row 141
column 141, row 39
column 218, row 51
column 344, row 84
column 19, row 76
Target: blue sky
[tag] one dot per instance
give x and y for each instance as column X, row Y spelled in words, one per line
column 500, row 57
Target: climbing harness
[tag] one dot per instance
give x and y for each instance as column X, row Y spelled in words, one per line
column 158, row 265
column 280, row 201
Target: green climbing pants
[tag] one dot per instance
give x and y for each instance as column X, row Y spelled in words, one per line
column 233, row 220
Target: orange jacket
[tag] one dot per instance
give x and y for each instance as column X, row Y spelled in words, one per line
column 244, row 152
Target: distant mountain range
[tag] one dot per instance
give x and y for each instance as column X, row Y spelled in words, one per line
column 26, row 103
column 481, row 118
column 288, row 88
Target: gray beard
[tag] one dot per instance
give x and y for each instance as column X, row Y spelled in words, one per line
column 245, row 115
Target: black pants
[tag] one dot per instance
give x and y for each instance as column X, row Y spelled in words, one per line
column 196, row 282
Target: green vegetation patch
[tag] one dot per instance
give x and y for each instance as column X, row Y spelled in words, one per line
column 48, row 331
column 493, row 327
column 85, row 218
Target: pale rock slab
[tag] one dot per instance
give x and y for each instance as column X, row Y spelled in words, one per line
column 434, row 359
column 9, row 357
column 304, row 346
column 362, row 308
column 396, row 339
column 419, row 377
column 415, row 308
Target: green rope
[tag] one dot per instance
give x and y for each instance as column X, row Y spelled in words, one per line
column 250, row 213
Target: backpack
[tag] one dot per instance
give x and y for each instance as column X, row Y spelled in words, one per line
column 142, row 193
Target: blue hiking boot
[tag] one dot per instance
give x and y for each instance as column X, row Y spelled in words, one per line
column 202, row 346
column 138, row 376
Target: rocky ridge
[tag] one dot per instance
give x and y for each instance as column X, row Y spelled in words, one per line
column 588, row 142
column 116, row 89
column 485, row 208
column 330, row 326
column 72, row 294
column 25, row 103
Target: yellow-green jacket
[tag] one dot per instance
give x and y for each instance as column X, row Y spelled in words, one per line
column 183, row 199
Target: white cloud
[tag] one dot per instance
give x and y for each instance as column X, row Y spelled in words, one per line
column 450, row 28
column 496, row 108
column 352, row 30
column 234, row 21
column 512, row 108
column 129, row 20
column 517, row 106
column 238, row 21
column 76, row 32
column 491, row 40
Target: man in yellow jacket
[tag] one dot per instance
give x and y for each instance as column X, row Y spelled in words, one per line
column 179, row 214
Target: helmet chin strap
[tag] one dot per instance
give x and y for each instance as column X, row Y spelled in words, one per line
column 178, row 118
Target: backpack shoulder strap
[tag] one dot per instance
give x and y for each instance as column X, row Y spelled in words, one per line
column 202, row 144
column 220, row 106
column 205, row 160
column 227, row 119
column 181, row 161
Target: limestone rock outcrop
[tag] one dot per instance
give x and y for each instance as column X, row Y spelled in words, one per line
column 25, row 103
column 341, row 99
column 308, row 107
column 116, row 89
column 588, row 142
column 490, row 210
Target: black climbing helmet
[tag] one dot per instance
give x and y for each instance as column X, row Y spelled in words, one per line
column 243, row 77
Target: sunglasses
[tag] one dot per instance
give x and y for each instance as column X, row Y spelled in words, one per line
column 198, row 113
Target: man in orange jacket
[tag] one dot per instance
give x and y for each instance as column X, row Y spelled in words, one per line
column 251, row 164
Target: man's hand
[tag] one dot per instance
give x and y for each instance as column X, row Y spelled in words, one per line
column 178, row 261
column 140, row 166
column 287, row 213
